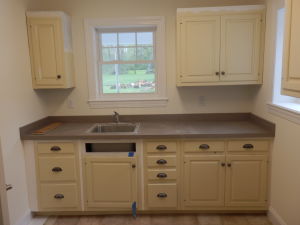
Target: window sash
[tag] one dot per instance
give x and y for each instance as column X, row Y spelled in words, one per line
column 99, row 33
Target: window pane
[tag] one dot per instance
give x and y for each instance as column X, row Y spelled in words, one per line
column 127, row 54
column 109, row 39
column 128, row 78
column 109, row 78
column 127, row 39
column 109, row 54
column 145, row 38
column 144, row 53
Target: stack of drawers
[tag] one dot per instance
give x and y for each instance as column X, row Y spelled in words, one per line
column 161, row 174
column 57, row 176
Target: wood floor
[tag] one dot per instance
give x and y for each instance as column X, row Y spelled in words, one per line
column 201, row 219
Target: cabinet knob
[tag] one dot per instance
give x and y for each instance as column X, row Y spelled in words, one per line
column 133, row 166
column 223, row 73
column 217, row 73
column 161, row 147
column 59, row 196
column 55, row 148
column 248, row 146
column 57, row 169
column 223, row 164
column 204, row 147
column 162, row 195
column 162, row 175
column 58, row 77
column 229, row 164
column 161, row 161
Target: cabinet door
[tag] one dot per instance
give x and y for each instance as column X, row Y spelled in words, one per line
column 111, row 182
column 46, row 48
column 246, row 180
column 199, row 44
column 204, row 180
column 240, row 47
column 291, row 65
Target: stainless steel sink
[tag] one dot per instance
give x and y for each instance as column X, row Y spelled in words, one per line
column 114, row 128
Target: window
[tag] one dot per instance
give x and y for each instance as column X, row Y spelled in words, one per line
column 282, row 105
column 126, row 62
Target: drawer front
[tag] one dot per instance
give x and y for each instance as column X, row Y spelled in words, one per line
column 162, row 175
column 159, row 147
column 57, row 168
column 55, row 148
column 248, row 146
column 56, row 196
column 204, row 146
column 161, row 161
column 162, row 196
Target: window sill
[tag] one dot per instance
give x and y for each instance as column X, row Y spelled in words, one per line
column 287, row 110
column 128, row 103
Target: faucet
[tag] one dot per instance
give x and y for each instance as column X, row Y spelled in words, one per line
column 116, row 117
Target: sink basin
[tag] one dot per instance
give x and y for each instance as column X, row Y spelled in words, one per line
column 114, row 128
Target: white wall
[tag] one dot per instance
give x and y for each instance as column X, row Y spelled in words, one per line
column 181, row 100
column 19, row 103
column 285, row 182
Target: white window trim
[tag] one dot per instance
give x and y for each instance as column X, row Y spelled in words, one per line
column 158, row 99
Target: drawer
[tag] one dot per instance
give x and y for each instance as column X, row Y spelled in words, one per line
column 57, row 168
column 59, row 196
column 158, row 147
column 162, row 196
column 162, row 175
column 161, row 161
column 55, row 148
column 248, row 146
column 204, row 146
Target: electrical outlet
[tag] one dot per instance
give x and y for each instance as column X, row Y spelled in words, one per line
column 70, row 104
column 202, row 101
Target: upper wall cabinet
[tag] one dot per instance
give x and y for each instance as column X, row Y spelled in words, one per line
column 49, row 35
column 291, row 65
column 220, row 46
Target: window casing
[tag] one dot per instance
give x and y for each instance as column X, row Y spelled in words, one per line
column 126, row 62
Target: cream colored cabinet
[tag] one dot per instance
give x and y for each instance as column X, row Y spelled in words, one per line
column 50, row 50
column 58, row 182
column 291, row 65
column 199, row 49
column 111, row 182
column 204, row 180
column 246, row 180
column 220, row 46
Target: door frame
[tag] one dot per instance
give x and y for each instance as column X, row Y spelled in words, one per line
column 3, row 197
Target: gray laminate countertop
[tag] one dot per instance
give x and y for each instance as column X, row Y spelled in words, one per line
column 232, row 125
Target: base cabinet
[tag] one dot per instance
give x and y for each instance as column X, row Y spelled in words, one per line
column 111, row 182
column 204, row 179
column 246, row 180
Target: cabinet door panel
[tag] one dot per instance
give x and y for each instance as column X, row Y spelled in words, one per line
column 204, row 180
column 240, row 47
column 246, row 180
column 110, row 182
column 45, row 38
column 291, row 67
column 200, row 49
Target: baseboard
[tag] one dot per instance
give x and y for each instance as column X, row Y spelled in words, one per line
column 28, row 219
column 275, row 218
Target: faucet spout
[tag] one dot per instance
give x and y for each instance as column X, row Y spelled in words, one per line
column 116, row 117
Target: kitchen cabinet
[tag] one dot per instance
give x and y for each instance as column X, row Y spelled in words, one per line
column 111, row 182
column 291, row 66
column 58, row 183
column 246, row 180
column 204, row 180
column 220, row 46
column 50, row 46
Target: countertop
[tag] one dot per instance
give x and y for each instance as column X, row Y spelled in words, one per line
column 232, row 125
